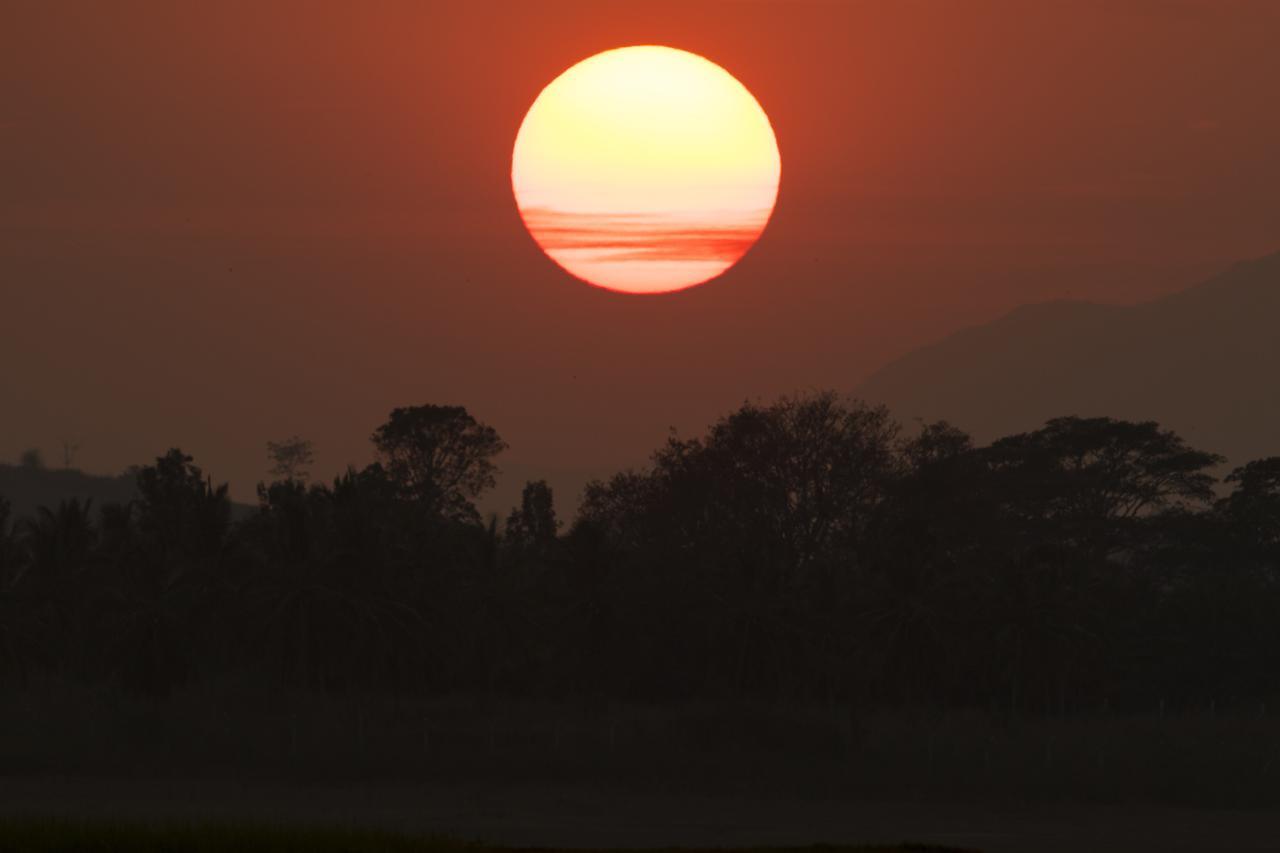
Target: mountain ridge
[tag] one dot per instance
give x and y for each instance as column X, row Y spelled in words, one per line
column 1179, row 359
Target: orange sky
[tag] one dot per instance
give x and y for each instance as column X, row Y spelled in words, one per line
column 233, row 222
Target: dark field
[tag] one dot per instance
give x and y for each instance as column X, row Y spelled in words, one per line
column 598, row 776
column 1201, row 758
column 589, row 818
column 34, row 835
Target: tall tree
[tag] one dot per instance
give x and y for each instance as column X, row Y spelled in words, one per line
column 1090, row 482
column 532, row 526
column 291, row 459
column 20, row 621
column 791, row 483
column 59, row 541
column 439, row 457
column 1254, row 505
column 9, row 554
column 179, row 508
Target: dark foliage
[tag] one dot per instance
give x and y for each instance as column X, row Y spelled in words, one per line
column 803, row 551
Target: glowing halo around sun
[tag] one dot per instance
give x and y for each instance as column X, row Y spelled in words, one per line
column 645, row 170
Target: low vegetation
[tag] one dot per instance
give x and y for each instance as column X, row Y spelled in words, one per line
column 806, row 557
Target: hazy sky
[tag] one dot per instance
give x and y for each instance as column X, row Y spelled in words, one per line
column 222, row 223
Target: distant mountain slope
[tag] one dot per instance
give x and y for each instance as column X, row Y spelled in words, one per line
column 29, row 488
column 1205, row 362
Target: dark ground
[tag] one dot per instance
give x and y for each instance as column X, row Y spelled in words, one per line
column 549, row 815
column 649, row 777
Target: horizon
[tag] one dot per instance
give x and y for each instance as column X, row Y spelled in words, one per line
column 301, row 224
column 510, row 480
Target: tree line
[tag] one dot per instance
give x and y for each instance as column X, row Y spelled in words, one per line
column 809, row 550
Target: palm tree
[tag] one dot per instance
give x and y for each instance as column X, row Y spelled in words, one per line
column 58, row 542
column 58, row 545
column 19, row 647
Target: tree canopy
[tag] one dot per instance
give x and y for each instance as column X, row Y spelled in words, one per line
column 806, row 549
column 440, row 457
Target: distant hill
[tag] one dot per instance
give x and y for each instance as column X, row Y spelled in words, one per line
column 1205, row 362
column 28, row 488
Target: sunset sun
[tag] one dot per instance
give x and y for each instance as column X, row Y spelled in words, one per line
column 645, row 170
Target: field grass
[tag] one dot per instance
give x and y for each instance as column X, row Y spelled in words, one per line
column 1203, row 758
column 44, row 835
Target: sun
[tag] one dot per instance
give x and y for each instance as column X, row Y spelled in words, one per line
column 645, row 169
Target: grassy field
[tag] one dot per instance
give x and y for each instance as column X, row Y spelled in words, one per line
column 36, row 835
column 1203, row 758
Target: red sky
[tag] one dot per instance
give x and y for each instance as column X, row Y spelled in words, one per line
column 222, row 223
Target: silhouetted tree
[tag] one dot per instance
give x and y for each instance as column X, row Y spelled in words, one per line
column 746, row 535
column 1253, row 507
column 440, row 457
column 532, row 527
column 9, row 553
column 1090, row 482
column 291, row 459
column 620, row 511
column 179, row 509
column 19, row 621
column 791, row 482
column 59, row 542
column 168, row 591
column 58, row 545
column 800, row 550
